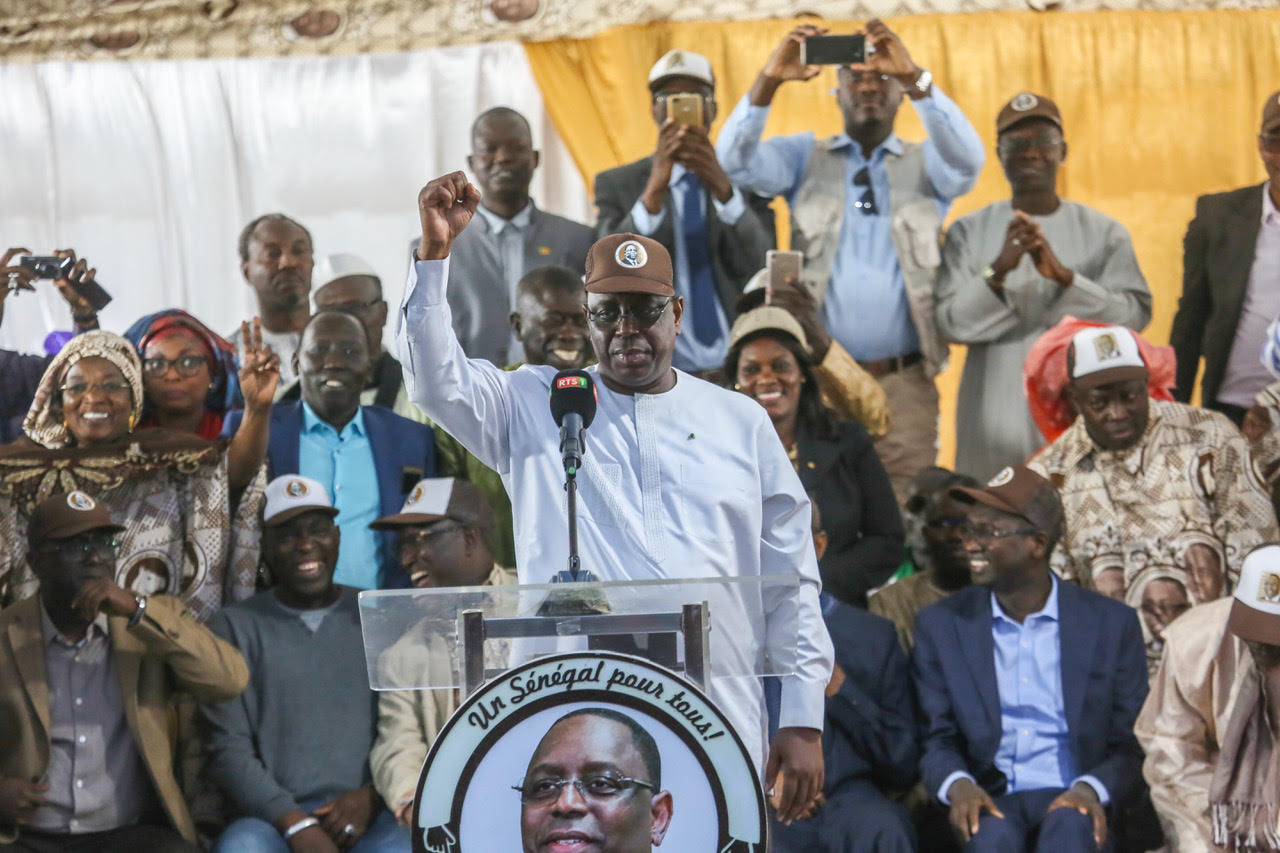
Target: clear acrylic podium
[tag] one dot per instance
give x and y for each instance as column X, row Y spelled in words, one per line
column 459, row 637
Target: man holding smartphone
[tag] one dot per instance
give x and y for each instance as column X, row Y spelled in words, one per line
column 866, row 209
column 680, row 195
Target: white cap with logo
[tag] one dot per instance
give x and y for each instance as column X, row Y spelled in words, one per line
column 1104, row 354
column 1255, row 614
column 681, row 63
column 290, row 495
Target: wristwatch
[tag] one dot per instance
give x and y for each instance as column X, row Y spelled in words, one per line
column 923, row 82
column 140, row 612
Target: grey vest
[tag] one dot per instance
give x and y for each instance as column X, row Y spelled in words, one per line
column 817, row 215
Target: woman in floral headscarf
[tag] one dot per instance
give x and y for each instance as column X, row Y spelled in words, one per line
column 190, row 505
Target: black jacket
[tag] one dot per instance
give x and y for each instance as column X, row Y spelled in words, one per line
column 859, row 511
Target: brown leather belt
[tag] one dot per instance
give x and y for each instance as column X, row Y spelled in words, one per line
column 884, row 366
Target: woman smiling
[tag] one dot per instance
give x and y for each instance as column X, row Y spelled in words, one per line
column 769, row 361
column 190, row 505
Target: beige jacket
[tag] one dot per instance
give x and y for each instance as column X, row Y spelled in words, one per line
column 409, row 720
column 166, row 652
column 1191, row 701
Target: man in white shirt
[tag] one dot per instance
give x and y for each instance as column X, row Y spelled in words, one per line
column 681, row 479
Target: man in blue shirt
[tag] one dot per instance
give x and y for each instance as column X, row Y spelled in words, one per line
column 1030, row 686
column 866, row 209
column 367, row 457
column 717, row 235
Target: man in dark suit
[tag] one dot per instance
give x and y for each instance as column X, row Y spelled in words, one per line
column 509, row 237
column 716, row 234
column 367, row 457
column 1030, row 686
column 1230, row 266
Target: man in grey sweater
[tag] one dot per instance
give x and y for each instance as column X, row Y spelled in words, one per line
column 292, row 753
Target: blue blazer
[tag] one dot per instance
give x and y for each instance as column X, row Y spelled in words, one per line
column 1104, row 683
column 404, row 452
column 870, row 727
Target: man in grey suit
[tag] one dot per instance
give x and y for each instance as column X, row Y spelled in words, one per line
column 717, row 235
column 509, row 237
column 1231, row 263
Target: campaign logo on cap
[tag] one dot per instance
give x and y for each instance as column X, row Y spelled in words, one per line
column 1106, row 348
column 415, row 496
column 1000, row 479
column 1269, row 587
column 80, row 501
column 296, row 489
column 1024, row 102
column 631, row 255
column 1255, row 613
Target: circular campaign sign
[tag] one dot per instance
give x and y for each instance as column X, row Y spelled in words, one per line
column 589, row 751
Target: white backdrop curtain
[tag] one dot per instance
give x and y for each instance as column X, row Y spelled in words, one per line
column 150, row 169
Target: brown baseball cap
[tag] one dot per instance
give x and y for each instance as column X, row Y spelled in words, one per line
column 66, row 515
column 1023, row 106
column 1271, row 114
column 438, row 498
column 629, row 263
column 1019, row 491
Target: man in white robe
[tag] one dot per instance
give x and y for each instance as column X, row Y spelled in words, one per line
column 681, row 479
column 1014, row 269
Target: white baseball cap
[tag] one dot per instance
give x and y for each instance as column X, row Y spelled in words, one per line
column 438, row 498
column 330, row 268
column 1255, row 613
column 1104, row 354
column 681, row 63
column 291, row 495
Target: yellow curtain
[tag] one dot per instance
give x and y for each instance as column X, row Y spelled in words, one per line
column 1159, row 108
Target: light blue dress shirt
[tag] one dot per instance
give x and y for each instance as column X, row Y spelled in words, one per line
column 866, row 307
column 342, row 462
column 1035, row 743
column 691, row 354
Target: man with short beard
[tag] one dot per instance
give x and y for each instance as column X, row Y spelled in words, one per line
column 1210, row 727
column 276, row 261
column 510, row 237
column 867, row 209
column 1148, row 482
column 934, row 548
column 292, row 753
column 682, row 478
column 594, row 780
column 1016, row 268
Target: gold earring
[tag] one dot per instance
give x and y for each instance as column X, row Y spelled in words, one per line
column 133, row 420
column 737, row 386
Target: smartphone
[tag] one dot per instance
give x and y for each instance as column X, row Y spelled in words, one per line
column 53, row 267
column 685, row 108
column 47, row 266
column 783, row 268
column 834, row 50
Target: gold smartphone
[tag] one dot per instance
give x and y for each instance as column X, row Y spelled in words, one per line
column 685, row 108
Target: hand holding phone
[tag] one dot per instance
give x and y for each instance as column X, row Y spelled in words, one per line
column 784, row 271
column 834, row 50
column 685, row 108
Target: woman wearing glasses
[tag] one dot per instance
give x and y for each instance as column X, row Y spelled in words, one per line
column 190, row 505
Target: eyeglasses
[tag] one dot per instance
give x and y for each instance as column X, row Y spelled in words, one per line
column 642, row 317
column 968, row 531
column 1270, row 144
column 79, row 389
column 596, row 788
column 84, row 545
column 1035, row 145
column 419, row 540
column 867, row 203
column 188, row 365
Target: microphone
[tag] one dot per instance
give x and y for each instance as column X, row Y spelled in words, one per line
column 573, row 405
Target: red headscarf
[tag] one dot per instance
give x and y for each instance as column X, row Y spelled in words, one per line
column 1044, row 374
